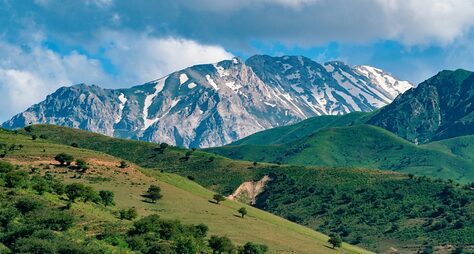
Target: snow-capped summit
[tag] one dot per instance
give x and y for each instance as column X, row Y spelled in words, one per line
column 385, row 80
column 215, row 104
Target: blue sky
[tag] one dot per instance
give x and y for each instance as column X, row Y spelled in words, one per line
column 45, row 44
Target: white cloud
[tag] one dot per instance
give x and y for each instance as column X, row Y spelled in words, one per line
column 422, row 21
column 141, row 57
column 30, row 72
column 317, row 22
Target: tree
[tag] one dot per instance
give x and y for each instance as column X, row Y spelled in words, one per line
column 148, row 224
column 187, row 155
column 79, row 190
column 458, row 250
column 200, row 230
column 252, row 248
column 186, row 245
column 221, row 244
column 16, row 179
column 82, row 165
column 6, row 167
column 242, row 211
column 106, row 197
column 335, row 241
column 218, row 198
column 7, row 215
column 154, row 193
column 39, row 184
column 162, row 148
column 64, row 159
column 128, row 214
column 123, row 164
column 75, row 191
column 25, row 205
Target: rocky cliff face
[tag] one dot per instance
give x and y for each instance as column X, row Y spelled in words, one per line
column 441, row 107
column 215, row 104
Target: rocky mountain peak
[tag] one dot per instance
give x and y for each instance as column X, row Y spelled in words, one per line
column 214, row 104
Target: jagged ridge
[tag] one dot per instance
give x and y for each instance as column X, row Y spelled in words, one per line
column 215, row 104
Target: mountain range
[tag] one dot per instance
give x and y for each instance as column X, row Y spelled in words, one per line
column 426, row 131
column 215, row 104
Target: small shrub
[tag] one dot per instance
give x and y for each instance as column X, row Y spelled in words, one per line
column 25, row 205
column 335, row 241
column 6, row 167
column 218, row 198
column 128, row 214
column 242, row 211
column 221, row 244
column 106, row 197
column 154, row 193
column 16, row 179
column 81, row 165
column 253, row 248
column 123, row 164
column 64, row 159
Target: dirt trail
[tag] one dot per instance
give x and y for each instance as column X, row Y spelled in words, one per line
column 248, row 191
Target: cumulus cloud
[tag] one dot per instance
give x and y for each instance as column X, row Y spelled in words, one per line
column 304, row 22
column 140, row 57
column 237, row 23
column 422, row 21
column 30, row 72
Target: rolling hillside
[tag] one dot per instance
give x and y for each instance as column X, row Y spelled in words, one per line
column 379, row 210
column 289, row 133
column 182, row 200
column 360, row 146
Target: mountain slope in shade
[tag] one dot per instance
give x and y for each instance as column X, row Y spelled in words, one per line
column 215, row 104
column 439, row 108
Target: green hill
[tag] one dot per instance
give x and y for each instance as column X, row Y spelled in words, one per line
column 289, row 133
column 460, row 146
column 375, row 209
column 363, row 146
column 97, row 228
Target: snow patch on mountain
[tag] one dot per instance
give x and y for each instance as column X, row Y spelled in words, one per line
column 385, row 80
column 183, row 78
column 149, row 100
column 122, row 100
column 192, row 85
column 211, row 82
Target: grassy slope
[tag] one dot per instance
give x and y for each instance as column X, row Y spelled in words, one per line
column 183, row 199
column 290, row 133
column 458, row 146
column 364, row 146
column 294, row 183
